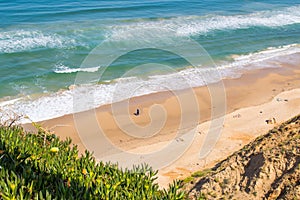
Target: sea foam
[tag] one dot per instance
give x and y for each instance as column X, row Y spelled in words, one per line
column 256, row 58
column 23, row 40
column 61, row 103
column 62, row 69
column 193, row 25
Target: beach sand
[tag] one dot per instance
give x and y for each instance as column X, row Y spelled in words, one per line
column 256, row 96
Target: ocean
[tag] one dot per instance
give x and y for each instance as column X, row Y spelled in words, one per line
column 44, row 47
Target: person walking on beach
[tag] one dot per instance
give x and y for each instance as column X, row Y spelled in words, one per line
column 137, row 112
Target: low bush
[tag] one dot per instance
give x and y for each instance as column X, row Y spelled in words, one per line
column 40, row 166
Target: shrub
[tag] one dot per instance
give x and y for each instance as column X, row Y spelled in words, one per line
column 40, row 166
column 199, row 174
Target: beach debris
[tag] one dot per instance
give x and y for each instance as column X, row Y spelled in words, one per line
column 271, row 121
column 237, row 115
column 260, row 111
column 71, row 87
column 137, row 112
column 179, row 140
column 279, row 99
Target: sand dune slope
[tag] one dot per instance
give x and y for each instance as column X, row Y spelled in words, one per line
column 267, row 168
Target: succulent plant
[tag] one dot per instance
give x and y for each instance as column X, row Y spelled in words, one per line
column 40, row 166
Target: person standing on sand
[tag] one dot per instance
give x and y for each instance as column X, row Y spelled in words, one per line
column 137, row 112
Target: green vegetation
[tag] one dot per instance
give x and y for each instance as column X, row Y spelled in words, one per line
column 199, row 174
column 40, row 166
column 188, row 179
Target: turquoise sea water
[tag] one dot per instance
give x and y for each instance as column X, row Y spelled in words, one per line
column 43, row 45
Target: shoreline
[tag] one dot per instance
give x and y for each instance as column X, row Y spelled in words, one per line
column 42, row 106
column 253, row 88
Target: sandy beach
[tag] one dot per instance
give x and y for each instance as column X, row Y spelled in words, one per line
column 258, row 95
column 150, row 99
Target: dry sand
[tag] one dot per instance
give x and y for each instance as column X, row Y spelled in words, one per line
column 240, row 127
column 251, row 99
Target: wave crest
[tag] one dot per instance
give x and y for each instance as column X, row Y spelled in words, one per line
column 21, row 40
column 62, row 69
column 192, row 25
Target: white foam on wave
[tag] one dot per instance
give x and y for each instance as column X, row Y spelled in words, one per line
column 62, row 69
column 191, row 25
column 22, row 40
column 274, row 18
column 269, row 54
column 9, row 102
column 94, row 95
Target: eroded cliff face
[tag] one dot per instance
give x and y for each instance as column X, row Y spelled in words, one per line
column 267, row 168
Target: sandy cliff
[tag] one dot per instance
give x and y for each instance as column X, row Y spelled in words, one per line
column 267, row 168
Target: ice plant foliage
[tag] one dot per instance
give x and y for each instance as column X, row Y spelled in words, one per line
column 40, row 166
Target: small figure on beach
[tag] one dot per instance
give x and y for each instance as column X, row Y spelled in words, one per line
column 271, row 121
column 137, row 112
column 237, row 116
